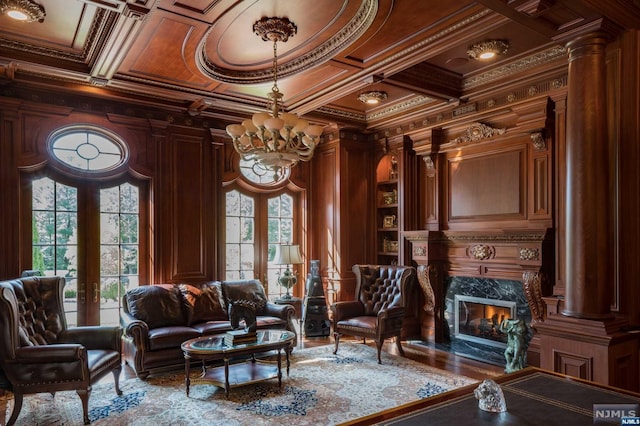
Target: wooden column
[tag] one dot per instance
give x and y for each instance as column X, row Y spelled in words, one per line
column 589, row 243
column 587, row 340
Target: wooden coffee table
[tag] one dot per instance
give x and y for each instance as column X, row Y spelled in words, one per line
column 232, row 374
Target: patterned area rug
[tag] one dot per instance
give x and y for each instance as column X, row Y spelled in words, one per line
column 322, row 389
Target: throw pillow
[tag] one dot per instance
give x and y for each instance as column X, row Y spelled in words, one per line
column 206, row 303
column 158, row 305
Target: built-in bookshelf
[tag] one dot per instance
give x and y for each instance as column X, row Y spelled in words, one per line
column 387, row 209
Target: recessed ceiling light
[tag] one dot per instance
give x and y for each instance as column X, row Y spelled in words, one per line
column 22, row 10
column 372, row 97
column 487, row 49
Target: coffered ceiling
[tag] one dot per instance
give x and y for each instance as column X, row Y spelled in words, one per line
column 202, row 58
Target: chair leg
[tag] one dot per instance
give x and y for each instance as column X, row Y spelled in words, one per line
column 17, row 406
column 336, row 338
column 399, row 345
column 116, row 379
column 84, row 397
column 379, row 346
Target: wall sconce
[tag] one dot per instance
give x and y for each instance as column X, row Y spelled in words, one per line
column 487, row 49
column 22, row 10
column 373, row 97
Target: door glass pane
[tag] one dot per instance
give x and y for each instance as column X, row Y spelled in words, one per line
column 119, row 259
column 54, row 237
column 240, row 236
column 280, row 231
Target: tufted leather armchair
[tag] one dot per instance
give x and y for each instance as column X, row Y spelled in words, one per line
column 379, row 307
column 38, row 353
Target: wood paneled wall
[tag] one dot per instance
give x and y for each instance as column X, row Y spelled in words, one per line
column 179, row 162
column 343, row 214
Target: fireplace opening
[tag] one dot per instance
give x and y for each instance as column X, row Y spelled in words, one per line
column 478, row 319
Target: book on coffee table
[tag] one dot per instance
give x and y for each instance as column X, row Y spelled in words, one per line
column 239, row 337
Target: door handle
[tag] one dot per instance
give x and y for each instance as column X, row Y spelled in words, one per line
column 96, row 293
column 82, row 291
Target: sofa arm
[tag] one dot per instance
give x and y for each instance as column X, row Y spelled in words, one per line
column 346, row 309
column 284, row 312
column 93, row 337
column 136, row 330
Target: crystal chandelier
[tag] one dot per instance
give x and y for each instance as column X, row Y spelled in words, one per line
column 276, row 140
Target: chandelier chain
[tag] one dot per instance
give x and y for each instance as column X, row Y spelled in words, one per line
column 275, row 66
column 277, row 140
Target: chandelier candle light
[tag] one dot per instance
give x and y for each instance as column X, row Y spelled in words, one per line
column 276, row 140
column 287, row 254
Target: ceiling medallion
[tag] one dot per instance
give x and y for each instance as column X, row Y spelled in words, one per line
column 487, row 49
column 343, row 36
column 372, row 97
column 276, row 140
column 22, row 10
column 275, row 29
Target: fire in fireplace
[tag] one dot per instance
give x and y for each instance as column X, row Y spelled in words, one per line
column 478, row 319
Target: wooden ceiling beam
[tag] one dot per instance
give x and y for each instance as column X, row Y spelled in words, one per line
column 428, row 80
column 507, row 10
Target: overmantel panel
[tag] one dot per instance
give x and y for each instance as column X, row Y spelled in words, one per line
column 498, row 254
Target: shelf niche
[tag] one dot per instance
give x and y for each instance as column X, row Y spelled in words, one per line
column 387, row 236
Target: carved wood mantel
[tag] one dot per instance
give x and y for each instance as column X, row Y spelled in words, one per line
column 520, row 255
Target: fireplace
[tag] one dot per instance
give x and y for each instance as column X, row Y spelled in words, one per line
column 478, row 319
column 460, row 271
column 484, row 302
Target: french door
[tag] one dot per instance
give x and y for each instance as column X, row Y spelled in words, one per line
column 255, row 224
column 92, row 234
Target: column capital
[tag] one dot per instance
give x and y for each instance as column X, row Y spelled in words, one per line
column 602, row 27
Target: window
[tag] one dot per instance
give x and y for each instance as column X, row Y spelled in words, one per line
column 55, row 244
column 119, row 238
column 90, row 150
column 256, row 173
column 55, row 238
column 240, row 233
column 255, row 225
column 89, row 231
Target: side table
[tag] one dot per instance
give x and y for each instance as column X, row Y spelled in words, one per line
column 296, row 302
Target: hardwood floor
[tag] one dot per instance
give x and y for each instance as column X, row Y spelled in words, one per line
column 412, row 350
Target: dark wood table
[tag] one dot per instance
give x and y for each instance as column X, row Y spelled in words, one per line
column 236, row 371
column 296, row 302
column 533, row 397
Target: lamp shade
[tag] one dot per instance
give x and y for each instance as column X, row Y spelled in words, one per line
column 287, row 254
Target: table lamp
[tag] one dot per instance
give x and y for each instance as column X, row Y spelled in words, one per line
column 287, row 254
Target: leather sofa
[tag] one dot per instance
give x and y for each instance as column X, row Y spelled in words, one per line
column 157, row 319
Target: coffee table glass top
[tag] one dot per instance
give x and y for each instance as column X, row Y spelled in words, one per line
column 216, row 344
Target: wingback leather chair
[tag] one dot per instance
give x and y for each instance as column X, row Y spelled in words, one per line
column 38, row 353
column 379, row 307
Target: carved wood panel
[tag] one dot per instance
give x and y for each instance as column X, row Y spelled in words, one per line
column 184, row 204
